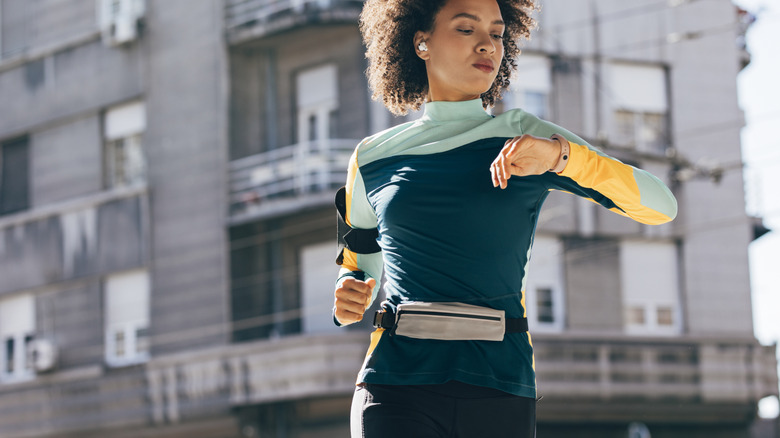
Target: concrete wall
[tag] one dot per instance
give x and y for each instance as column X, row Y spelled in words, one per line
column 185, row 66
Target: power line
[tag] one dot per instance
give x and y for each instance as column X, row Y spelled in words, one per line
column 621, row 14
column 673, row 38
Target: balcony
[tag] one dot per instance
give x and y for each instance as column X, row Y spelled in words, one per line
column 246, row 20
column 187, row 385
column 584, row 379
column 285, row 180
column 667, row 380
column 91, row 235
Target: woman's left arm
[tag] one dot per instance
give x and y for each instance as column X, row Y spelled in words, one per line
column 590, row 173
column 634, row 192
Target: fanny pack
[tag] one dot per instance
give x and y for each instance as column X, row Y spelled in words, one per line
column 449, row 322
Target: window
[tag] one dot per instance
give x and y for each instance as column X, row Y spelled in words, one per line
column 317, row 106
column 124, row 157
column 635, row 315
column 318, row 276
column 649, row 282
column 531, row 86
column 127, row 318
column 665, row 316
column 545, row 312
column 639, row 107
column 17, row 329
column 317, row 103
column 544, row 285
column 14, row 176
column 117, row 20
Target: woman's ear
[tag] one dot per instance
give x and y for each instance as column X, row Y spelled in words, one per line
column 420, row 45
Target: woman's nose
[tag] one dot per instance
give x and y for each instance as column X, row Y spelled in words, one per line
column 487, row 46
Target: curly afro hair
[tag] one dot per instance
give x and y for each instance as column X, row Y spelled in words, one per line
column 398, row 76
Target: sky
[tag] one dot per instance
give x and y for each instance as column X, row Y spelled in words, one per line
column 759, row 96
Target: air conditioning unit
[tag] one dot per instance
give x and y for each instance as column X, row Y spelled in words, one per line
column 42, row 355
column 119, row 20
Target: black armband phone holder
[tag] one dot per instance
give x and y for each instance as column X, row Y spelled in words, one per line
column 357, row 240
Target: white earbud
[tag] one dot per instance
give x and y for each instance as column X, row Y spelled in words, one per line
column 423, row 47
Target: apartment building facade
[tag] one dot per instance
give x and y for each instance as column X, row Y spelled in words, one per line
column 167, row 234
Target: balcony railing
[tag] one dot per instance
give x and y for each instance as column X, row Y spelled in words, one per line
column 294, row 175
column 670, row 377
column 246, row 19
column 581, row 379
column 95, row 234
column 297, row 367
column 691, row 372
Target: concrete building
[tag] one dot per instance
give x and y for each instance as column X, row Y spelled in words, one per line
column 167, row 237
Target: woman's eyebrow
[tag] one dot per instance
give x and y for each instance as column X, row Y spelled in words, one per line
column 475, row 18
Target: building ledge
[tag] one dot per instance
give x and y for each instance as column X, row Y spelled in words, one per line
column 670, row 380
column 247, row 20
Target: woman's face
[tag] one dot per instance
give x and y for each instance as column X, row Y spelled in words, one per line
column 465, row 49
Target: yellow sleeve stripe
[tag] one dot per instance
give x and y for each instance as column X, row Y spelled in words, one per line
column 350, row 261
column 350, row 258
column 350, row 186
column 614, row 180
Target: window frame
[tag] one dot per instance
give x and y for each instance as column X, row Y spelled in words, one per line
column 24, row 141
column 544, row 248
column 651, row 99
column 128, row 328
column 634, row 297
column 23, row 369
column 124, row 126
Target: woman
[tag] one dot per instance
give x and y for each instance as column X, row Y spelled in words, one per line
column 453, row 198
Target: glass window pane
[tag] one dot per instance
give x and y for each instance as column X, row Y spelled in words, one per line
column 544, row 305
column 624, row 134
column 14, row 176
column 653, row 133
column 134, row 162
column 665, row 316
column 635, row 315
column 119, row 343
column 9, row 355
column 125, row 164
column 535, row 103
column 142, row 340
column 29, row 360
column 312, row 127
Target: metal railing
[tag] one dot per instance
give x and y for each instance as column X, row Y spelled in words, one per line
column 66, row 240
column 288, row 172
column 695, row 370
column 691, row 373
column 241, row 13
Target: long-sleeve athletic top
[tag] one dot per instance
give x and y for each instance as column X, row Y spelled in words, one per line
column 447, row 235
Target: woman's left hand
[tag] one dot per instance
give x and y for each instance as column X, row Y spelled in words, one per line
column 522, row 156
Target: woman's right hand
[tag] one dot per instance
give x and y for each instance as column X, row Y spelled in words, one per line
column 352, row 299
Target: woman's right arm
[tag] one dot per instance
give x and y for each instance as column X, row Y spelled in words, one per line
column 357, row 283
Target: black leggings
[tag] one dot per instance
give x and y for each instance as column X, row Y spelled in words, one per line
column 453, row 410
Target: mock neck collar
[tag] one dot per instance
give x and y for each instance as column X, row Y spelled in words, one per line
column 441, row 111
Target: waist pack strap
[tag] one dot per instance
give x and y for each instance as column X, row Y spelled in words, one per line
column 516, row 325
column 386, row 320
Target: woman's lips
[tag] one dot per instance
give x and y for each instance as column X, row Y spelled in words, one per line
column 484, row 67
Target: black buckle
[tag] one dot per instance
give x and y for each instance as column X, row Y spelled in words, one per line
column 384, row 319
